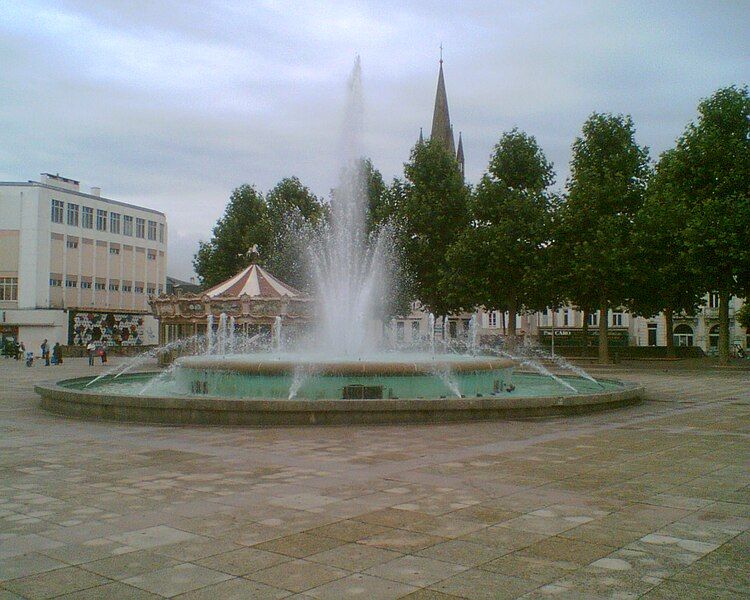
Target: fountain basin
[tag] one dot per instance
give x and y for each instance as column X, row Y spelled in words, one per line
column 71, row 398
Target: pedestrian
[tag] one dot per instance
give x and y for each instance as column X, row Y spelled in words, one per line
column 45, row 352
column 91, row 350
column 20, row 350
column 104, row 354
column 57, row 354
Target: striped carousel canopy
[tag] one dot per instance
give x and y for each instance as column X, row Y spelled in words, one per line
column 256, row 282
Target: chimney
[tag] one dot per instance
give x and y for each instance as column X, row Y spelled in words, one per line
column 96, row 191
column 192, row 280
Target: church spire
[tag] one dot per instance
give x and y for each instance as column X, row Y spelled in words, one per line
column 460, row 155
column 441, row 121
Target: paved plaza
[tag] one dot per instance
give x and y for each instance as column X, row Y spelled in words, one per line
column 650, row 501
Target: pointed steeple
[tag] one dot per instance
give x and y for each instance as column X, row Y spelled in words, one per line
column 441, row 121
column 421, row 136
column 460, row 154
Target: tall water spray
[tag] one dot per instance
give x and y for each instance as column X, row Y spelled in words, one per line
column 349, row 267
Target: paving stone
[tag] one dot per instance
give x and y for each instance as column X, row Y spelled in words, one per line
column 178, row 579
column 236, row 589
column 361, row 586
column 416, row 570
column 650, row 500
column 54, row 583
column 243, row 561
column 298, row 575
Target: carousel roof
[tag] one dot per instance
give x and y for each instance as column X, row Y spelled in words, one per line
column 256, row 282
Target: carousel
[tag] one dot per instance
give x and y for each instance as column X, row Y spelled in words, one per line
column 254, row 297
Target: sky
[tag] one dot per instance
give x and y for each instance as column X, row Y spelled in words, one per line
column 173, row 104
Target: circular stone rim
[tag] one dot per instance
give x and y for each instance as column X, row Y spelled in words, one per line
column 59, row 399
column 344, row 368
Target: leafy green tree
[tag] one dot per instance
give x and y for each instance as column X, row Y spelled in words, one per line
column 501, row 260
column 244, row 224
column 278, row 226
column 664, row 280
column 294, row 212
column 430, row 213
column 712, row 169
column 608, row 177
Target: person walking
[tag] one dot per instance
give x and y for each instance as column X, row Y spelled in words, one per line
column 45, row 352
column 91, row 350
column 57, row 354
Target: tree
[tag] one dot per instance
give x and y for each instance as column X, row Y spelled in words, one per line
column 605, row 191
column 501, row 260
column 712, row 168
column 294, row 212
column 244, row 224
column 664, row 281
column 430, row 213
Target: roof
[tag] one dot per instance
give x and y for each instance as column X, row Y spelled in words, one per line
column 255, row 282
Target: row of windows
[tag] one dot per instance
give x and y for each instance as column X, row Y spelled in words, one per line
column 86, row 214
column 73, row 243
column 8, row 288
column 72, row 282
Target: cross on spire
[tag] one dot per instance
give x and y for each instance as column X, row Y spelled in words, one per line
column 441, row 53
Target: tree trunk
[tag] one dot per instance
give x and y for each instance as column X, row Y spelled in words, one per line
column 669, row 325
column 585, row 332
column 603, row 339
column 723, row 327
column 512, row 325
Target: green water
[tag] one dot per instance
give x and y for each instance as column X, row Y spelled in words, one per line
column 188, row 382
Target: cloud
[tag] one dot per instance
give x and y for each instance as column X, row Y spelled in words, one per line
column 173, row 104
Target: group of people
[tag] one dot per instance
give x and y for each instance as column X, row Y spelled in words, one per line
column 56, row 354
column 50, row 356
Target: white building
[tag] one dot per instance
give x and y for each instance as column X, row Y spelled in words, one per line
column 76, row 266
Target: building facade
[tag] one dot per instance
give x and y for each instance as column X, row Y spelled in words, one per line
column 77, row 266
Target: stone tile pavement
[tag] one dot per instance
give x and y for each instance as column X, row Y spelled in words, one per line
column 651, row 501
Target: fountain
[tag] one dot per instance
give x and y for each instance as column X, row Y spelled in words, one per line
column 341, row 372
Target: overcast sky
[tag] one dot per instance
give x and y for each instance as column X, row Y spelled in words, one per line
column 172, row 104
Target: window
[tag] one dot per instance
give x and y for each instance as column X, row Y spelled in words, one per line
column 161, row 233
column 566, row 317
column 113, row 250
column 138, row 289
column 616, row 319
column 400, row 331
column 151, row 255
column 101, row 220
column 152, row 230
column 151, row 290
column 127, row 225
column 114, row 222
column 492, row 319
column 652, row 328
column 161, row 290
column 127, row 288
column 8, row 288
column 593, row 319
column 414, row 330
column 72, row 215
column 87, row 217
column 57, row 211
column 98, row 286
column 452, row 328
column 683, row 335
column 85, row 285
column 71, row 243
column 54, row 282
column 114, row 287
column 713, row 300
column 71, row 283
column 140, row 227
